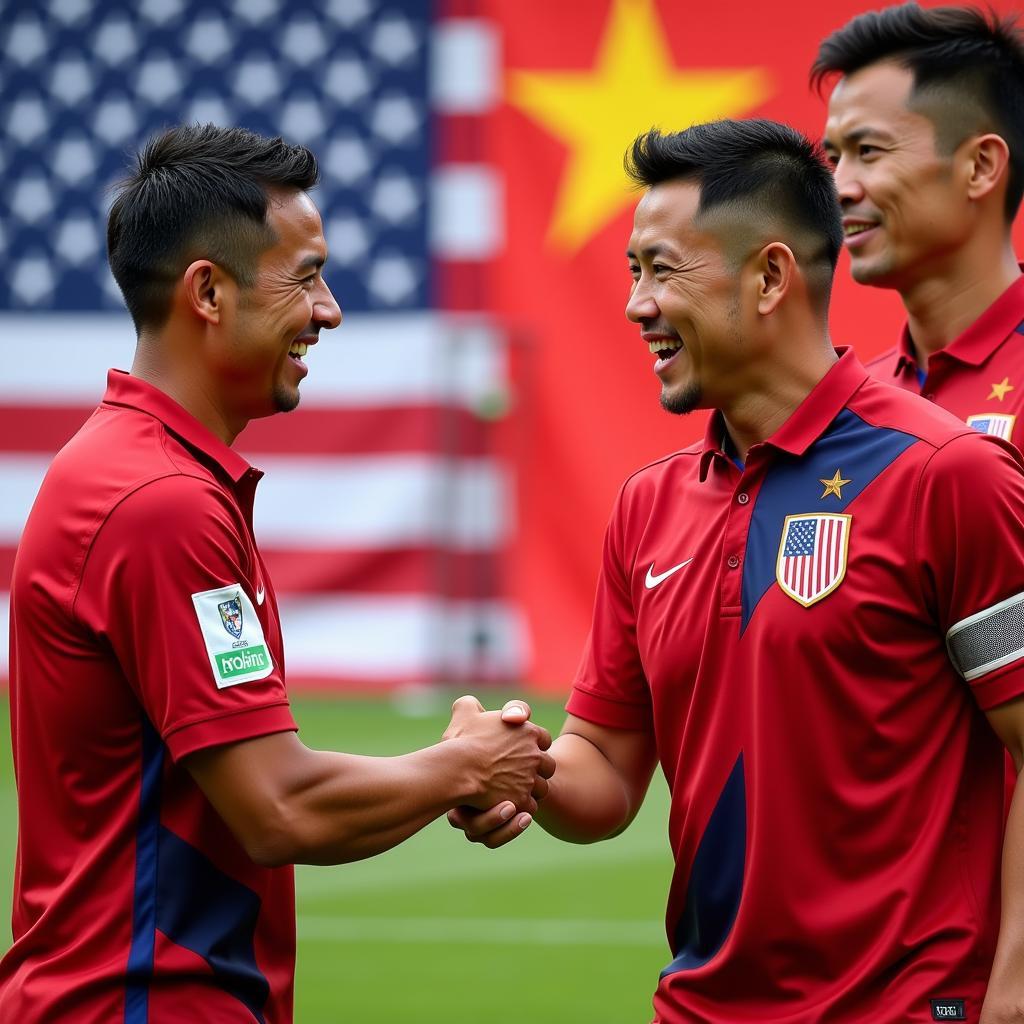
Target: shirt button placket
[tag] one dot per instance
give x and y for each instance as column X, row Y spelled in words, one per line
column 735, row 542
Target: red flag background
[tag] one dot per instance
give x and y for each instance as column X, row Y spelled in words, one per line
column 580, row 81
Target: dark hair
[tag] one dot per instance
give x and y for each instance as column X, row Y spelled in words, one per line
column 768, row 170
column 975, row 59
column 197, row 192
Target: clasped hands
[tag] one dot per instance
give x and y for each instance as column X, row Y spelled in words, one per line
column 514, row 769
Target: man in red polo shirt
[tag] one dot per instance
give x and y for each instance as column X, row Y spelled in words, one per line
column 812, row 619
column 162, row 791
column 925, row 131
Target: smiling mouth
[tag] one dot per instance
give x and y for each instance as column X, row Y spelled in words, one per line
column 298, row 349
column 665, row 348
column 852, row 230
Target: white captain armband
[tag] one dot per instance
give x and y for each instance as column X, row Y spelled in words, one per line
column 988, row 640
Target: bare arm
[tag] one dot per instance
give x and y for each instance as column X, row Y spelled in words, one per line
column 1004, row 1001
column 287, row 804
column 601, row 778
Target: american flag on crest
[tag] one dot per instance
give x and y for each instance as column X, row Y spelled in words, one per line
column 812, row 555
column 995, row 423
column 385, row 509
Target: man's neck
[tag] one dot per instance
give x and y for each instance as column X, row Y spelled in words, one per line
column 187, row 389
column 762, row 408
column 941, row 307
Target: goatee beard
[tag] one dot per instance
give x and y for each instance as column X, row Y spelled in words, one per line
column 285, row 401
column 681, row 402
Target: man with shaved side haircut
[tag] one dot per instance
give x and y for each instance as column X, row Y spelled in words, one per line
column 163, row 794
column 925, row 133
column 811, row 619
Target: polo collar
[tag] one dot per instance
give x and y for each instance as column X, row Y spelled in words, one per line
column 982, row 338
column 810, row 419
column 125, row 390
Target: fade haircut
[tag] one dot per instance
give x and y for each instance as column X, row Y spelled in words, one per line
column 967, row 67
column 766, row 174
column 197, row 192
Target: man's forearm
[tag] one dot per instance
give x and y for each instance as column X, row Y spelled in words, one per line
column 1004, row 1001
column 288, row 804
column 351, row 806
column 587, row 799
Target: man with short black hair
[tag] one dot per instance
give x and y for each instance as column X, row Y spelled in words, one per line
column 162, row 791
column 810, row 619
column 925, row 132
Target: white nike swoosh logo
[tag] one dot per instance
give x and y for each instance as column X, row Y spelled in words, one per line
column 652, row 581
column 260, row 594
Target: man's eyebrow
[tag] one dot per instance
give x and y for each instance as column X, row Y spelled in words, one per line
column 311, row 262
column 650, row 251
column 857, row 134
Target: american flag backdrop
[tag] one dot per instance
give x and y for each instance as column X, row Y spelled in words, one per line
column 385, row 508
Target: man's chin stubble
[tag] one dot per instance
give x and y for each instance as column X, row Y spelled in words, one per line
column 285, row 401
column 682, row 402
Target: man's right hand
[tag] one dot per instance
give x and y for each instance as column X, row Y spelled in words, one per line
column 510, row 763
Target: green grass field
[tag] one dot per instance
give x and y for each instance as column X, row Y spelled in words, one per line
column 438, row 930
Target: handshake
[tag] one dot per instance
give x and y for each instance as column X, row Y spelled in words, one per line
column 509, row 769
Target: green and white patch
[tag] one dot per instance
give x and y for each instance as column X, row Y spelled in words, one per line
column 233, row 636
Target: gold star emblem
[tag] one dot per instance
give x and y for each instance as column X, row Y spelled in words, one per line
column 999, row 390
column 834, row 486
column 598, row 112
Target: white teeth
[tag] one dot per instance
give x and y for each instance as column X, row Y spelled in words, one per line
column 662, row 344
column 298, row 348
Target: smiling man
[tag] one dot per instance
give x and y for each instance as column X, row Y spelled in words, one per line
column 162, row 791
column 809, row 619
column 925, row 132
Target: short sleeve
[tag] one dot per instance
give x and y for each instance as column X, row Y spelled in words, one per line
column 610, row 687
column 171, row 555
column 970, row 542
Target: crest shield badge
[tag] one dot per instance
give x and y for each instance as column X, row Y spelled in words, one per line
column 231, row 616
column 998, row 423
column 812, row 555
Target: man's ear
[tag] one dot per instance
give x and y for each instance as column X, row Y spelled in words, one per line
column 205, row 286
column 774, row 269
column 987, row 162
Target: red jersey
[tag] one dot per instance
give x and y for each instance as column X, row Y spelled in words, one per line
column 811, row 642
column 979, row 376
column 143, row 628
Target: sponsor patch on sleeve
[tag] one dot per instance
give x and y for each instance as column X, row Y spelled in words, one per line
column 233, row 636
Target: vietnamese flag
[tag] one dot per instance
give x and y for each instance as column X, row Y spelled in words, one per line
column 580, row 81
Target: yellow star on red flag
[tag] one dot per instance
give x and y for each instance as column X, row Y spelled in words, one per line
column 597, row 113
column 834, row 486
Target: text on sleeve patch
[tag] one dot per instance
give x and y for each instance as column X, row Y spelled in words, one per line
column 233, row 636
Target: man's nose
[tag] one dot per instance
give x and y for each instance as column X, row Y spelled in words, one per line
column 326, row 311
column 848, row 183
column 641, row 305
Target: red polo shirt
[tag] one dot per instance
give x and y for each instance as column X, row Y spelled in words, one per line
column 143, row 628
column 810, row 643
column 979, row 376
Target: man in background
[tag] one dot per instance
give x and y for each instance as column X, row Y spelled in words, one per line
column 162, row 791
column 925, row 133
column 809, row 619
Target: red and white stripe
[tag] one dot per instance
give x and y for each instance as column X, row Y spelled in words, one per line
column 807, row 577
column 384, row 509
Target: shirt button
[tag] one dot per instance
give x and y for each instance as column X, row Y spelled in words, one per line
column 733, row 561
column 743, row 497
column 930, row 396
